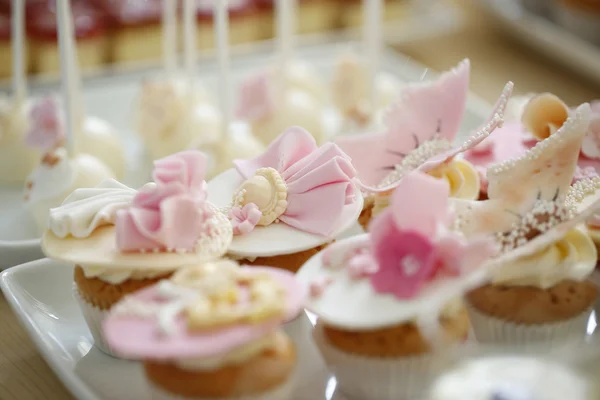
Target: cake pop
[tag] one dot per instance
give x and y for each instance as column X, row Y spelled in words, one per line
column 174, row 113
column 62, row 169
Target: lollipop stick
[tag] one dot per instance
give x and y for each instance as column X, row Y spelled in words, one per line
column 286, row 18
column 222, row 35
column 189, row 40
column 373, row 10
column 67, row 69
column 169, row 30
column 18, row 50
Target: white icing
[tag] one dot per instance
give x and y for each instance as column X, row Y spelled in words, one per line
column 117, row 276
column 89, row 208
column 49, row 185
column 573, row 257
column 235, row 357
column 510, row 378
column 353, row 304
column 100, row 139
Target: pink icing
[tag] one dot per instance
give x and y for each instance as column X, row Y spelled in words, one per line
column 506, row 143
column 187, row 168
column 319, row 180
column 425, row 112
column 140, row 338
column 361, row 265
column 257, row 97
column 244, row 220
column 318, row 286
column 46, row 128
column 164, row 217
column 591, row 143
column 411, row 241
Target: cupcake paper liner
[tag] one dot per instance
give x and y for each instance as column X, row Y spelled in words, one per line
column 94, row 317
column 283, row 392
column 491, row 330
column 403, row 378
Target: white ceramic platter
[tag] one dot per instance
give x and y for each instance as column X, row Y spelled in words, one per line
column 546, row 37
column 111, row 97
column 41, row 296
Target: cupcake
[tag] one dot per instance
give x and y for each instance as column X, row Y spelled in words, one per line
column 581, row 17
column 121, row 240
column 539, row 292
column 512, row 378
column 212, row 331
column 135, row 29
column 288, row 203
column 388, row 302
column 90, row 34
column 418, row 134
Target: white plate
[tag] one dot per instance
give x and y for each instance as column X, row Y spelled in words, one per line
column 545, row 36
column 41, row 296
column 111, row 96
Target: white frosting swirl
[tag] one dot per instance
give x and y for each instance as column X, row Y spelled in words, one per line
column 86, row 209
column 573, row 257
column 117, row 276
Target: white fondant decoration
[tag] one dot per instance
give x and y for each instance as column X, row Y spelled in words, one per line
column 277, row 238
column 353, row 304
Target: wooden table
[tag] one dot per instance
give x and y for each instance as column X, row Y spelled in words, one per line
column 25, row 376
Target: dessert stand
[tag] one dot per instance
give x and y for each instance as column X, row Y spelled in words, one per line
column 110, row 97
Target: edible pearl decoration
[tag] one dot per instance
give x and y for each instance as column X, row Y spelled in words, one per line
column 267, row 190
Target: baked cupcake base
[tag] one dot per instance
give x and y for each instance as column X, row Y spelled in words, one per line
column 291, row 262
column 95, row 298
column 387, row 364
column 268, row 376
column 528, row 315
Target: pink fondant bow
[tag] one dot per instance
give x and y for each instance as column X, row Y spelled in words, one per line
column 171, row 214
column 318, row 179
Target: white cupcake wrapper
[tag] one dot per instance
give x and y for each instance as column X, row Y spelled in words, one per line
column 283, row 392
column 405, row 378
column 490, row 330
column 94, row 318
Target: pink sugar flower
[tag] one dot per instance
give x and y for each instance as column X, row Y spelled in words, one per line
column 187, row 168
column 46, row 129
column 245, row 219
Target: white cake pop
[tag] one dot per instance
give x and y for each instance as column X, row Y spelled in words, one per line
column 233, row 143
column 100, row 139
column 351, row 91
column 56, row 177
column 170, row 118
column 17, row 159
column 61, row 170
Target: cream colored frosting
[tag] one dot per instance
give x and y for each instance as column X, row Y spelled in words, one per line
column 17, row 160
column 235, row 357
column 86, row 209
column 117, row 276
column 460, row 175
column 510, row 378
column 574, row 257
column 55, row 179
